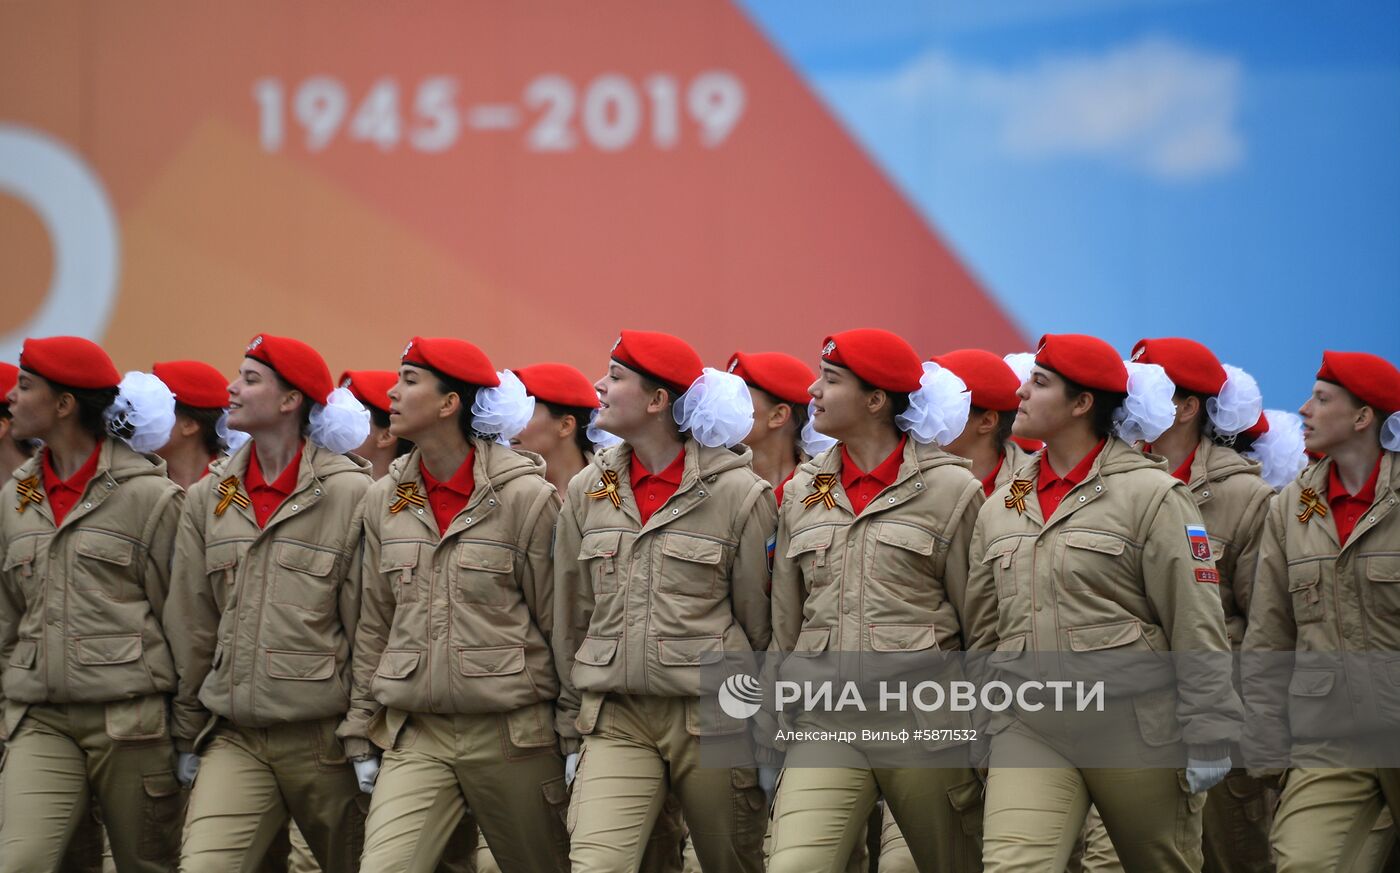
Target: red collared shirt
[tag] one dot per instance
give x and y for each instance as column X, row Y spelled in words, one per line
column 1347, row 508
column 654, row 489
column 1051, row 489
column 989, row 484
column 63, row 494
column 1183, row 473
column 778, row 492
column 862, row 487
column 450, row 497
column 267, row 497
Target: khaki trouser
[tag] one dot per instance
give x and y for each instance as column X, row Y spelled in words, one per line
column 85, row 850
column 1034, row 815
column 639, row 752
column 895, row 856
column 822, row 810
column 1326, row 818
column 440, row 765
column 251, row 780
column 61, row 755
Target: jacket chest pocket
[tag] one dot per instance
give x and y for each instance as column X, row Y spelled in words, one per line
column 1305, row 590
column 904, row 554
column 1001, row 558
column 221, row 569
column 302, row 578
column 483, row 574
column 1092, row 561
column 811, row 549
column 598, row 553
column 398, row 564
column 690, row 565
column 19, row 567
column 104, row 563
column 1383, row 574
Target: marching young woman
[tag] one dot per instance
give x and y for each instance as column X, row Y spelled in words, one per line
column 1328, row 582
column 86, row 529
column 13, row 451
column 782, row 436
column 381, row 447
column 201, row 393
column 1093, row 547
column 872, row 557
column 454, row 681
column 661, row 566
column 559, row 430
column 262, row 618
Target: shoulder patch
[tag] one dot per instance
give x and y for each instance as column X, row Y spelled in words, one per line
column 1199, row 541
column 1208, row 575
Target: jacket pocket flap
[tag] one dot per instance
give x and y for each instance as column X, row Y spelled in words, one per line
column 812, row 640
column 600, row 544
column 24, row 654
column 397, row 556
column 1305, row 575
column 809, row 540
column 1311, row 684
column 20, row 551
column 220, row 556
column 1000, row 552
column 303, row 559
column 1105, row 544
column 485, row 556
column 1008, row 649
column 690, row 651
column 907, row 537
column 102, row 547
column 115, row 649
column 300, row 665
column 1383, row 568
column 491, row 661
column 596, row 651
column 398, row 664
column 688, row 548
column 902, row 637
column 1104, row 636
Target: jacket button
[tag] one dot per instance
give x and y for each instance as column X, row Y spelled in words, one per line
column 891, row 500
column 491, row 502
column 1082, row 498
column 317, row 492
column 87, row 505
column 675, row 512
column 469, row 519
column 295, row 507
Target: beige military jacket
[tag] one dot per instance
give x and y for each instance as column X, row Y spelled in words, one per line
column 639, row 609
column 1014, row 458
column 1111, row 570
column 80, row 604
column 457, row 623
column 1233, row 500
column 1337, row 606
column 261, row 620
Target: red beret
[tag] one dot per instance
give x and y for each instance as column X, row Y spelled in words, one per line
column 783, row 376
column 990, row 379
column 877, row 356
column 71, row 361
column 194, row 383
column 667, row 359
column 1087, row 360
column 370, row 387
column 298, row 364
column 1259, row 428
column 559, row 384
column 9, row 374
column 1373, row 379
column 1190, row 365
column 453, row 358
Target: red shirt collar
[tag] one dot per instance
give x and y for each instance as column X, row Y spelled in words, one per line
column 286, row 481
column 77, row 483
column 1337, row 492
column 671, row 475
column 885, row 473
column 1047, row 477
column 989, row 484
column 1183, row 473
column 462, row 481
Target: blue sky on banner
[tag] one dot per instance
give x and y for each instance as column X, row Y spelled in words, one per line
column 1228, row 171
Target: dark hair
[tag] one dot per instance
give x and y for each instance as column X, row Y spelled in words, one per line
column 899, row 401
column 651, row 384
column 208, row 422
column 380, row 419
column 1106, row 403
column 92, row 409
column 1005, row 419
column 467, row 392
column 581, row 415
column 306, row 401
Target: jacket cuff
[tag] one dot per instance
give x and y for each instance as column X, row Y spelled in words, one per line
column 1202, row 752
column 357, row 748
column 569, row 745
column 184, row 745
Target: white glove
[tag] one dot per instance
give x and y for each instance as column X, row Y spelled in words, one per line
column 1204, row 775
column 768, row 781
column 186, row 765
column 366, row 771
column 570, row 768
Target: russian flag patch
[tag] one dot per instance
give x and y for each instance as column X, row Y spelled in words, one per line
column 1199, row 541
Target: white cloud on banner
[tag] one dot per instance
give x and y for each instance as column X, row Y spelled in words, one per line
column 1155, row 105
